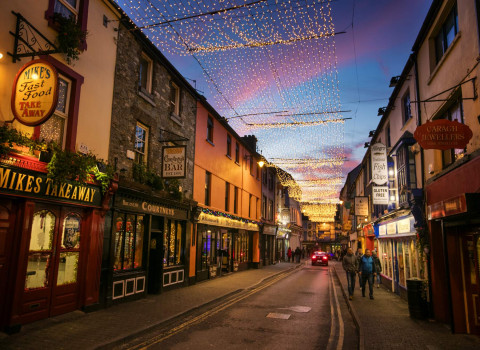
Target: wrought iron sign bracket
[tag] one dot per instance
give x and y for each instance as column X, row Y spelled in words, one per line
column 28, row 41
column 179, row 138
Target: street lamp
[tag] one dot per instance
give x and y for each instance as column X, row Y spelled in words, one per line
column 260, row 163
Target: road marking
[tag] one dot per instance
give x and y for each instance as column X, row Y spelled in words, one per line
column 341, row 331
column 297, row 308
column 276, row 315
column 169, row 333
column 340, row 318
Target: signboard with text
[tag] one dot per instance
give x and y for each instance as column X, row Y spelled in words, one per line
column 361, row 206
column 380, row 195
column 35, row 93
column 379, row 164
column 443, row 134
column 174, row 161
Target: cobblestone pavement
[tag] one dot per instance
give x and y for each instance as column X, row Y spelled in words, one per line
column 79, row 330
column 386, row 323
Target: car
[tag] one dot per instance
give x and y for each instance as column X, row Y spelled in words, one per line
column 320, row 258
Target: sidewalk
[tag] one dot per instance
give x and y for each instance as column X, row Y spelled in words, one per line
column 79, row 330
column 385, row 323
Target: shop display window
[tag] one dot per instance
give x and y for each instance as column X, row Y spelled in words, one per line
column 407, row 259
column 241, row 242
column 43, row 227
column 37, row 270
column 414, row 256
column 129, row 241
column 174, row 243
column 67, row 268
column 401, row 264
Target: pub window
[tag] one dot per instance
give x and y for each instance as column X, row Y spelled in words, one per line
column 129, row 242
column 237, row 152
column 227, row 196
column 229, row 146
column 54, row 129
column 454, row 113
column 208, row 183
column 175, row 98
column 446, row 34
column 235, row 200
column 67, row 8
column 173, row 243
column 141, row 143
column 210, row 129
column 146, row 70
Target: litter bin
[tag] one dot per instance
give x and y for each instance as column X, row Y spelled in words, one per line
column 417, row 301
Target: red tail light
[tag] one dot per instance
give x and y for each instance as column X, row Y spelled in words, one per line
column 324, row 258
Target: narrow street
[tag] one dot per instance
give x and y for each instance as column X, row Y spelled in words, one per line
column 303, row 309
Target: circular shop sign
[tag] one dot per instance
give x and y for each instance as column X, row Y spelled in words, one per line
column 35, row 93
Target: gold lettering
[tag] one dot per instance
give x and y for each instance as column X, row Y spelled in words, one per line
column 54, row 190
column 74, row 194
column 49, row 183
column 4, row 175
column 87, row 195
column 61, row 193
column 67, row 192
column 92, row 194
column 13, row 180
column 38, row 182
column 20, row 182
column 81, row 193
column 29, row 183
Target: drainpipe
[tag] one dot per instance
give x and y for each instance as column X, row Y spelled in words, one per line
column 447, row 275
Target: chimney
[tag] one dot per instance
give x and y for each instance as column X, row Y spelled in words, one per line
column 250, row 141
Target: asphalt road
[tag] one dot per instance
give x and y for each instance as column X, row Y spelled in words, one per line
column 303, row 309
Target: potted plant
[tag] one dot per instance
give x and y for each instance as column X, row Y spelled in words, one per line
column 70, row 38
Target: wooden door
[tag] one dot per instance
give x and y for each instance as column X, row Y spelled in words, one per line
column 53, row 263
column 470, row 252
column 7, row 219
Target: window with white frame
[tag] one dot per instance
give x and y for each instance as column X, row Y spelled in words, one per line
column 141, row 143
column 67, row 8
column 54, row 129
column 446, row 34
column 175, row 98
column 146, row 69
column 454, row 113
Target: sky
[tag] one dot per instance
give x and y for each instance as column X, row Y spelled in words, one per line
column 341, row 78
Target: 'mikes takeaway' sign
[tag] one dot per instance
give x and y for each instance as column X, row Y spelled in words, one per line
column 35, row 93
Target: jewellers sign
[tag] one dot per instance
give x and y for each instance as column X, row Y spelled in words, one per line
column 443, row 134
column 35, row 93
column 379, row 164
column 174, row 161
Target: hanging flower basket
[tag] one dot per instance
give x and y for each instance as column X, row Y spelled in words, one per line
column 70, row 37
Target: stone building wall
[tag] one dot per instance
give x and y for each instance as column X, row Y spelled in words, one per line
column 152, row 110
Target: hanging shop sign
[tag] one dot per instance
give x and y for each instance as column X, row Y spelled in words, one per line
column 443, row 134
column 25, row 183
column 35, row 93
column 174, row 161
column 379, row 164
column 361, row 206
column 380, row 195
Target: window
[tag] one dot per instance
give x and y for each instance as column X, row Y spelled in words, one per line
column 447, row 33
column 227, row 196
column 455, row 112
column 210, row 129
column 235, row 200
column 54, row 129
column 264, row 207
column 229, row 146
column 241, row 245
column 271, row 181
column 175, row 98
column 129, row 242
column 145, row 78
column 173, row 243
column 264, row 176
column 251, row 164
column 237, row 152
column 208, row 184
column 406, row 174
column 141, row 143
column 67, row 8
column 407, row 110
column 249, row 205
column 388, row 141
column 258, row 170
column 270, row 210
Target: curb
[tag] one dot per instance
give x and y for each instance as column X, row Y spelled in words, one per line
column 120, row 340
column 356, row 319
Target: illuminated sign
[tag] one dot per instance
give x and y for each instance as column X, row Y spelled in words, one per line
column 443, row 134
column 174, row 160
column 379, row 164
column 35, row 93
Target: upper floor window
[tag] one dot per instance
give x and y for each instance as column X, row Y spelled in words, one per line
column 175, row 98
column 455, row 112
column 264, row 207
column 271, row 181
column 67, row 8
column 249, row 205
column 210, row 129
column 251, row 165
column 208, row 185
column 406, row 172
column 237, row 152
column 141, row 143
column 227, row 196
column 229, row 146
column 447, row 33
column 54, row 129
column 407, row 110
column 388, row 139
column 270, row 210
column 146, row 69
column 235, row 200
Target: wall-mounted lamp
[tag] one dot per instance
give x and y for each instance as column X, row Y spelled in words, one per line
column 1, row 55
column 260, row 163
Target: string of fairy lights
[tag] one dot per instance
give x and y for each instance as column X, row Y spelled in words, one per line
column 271, row 67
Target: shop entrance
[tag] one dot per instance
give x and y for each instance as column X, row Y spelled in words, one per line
column 157, row 255
column 54, row 263
column 225, row 253
column 471, row 270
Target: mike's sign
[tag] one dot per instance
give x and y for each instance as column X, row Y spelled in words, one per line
column 35, row 93
column 443, row 134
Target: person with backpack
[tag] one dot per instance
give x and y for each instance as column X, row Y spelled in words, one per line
column 378, row 268
column 367, row 271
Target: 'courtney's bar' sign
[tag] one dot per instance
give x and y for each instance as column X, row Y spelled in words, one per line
column 26, row 184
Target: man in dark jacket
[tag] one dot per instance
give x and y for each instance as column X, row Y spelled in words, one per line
column 367, row 271
column 350, row 265
column 378, row 267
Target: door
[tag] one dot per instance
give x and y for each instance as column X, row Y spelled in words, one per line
column 155, row 265
column 226, row 251
column 53, row 263
column 470, row 253
column 7, row 219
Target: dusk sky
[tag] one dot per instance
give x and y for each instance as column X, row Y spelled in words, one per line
column 349, row 72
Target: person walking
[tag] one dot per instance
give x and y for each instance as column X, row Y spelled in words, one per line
column 289, row 254
column 359, row 255
column 303, row 252
column 367, row 271
column 350, row 265
column 378, row 267
column 298, row 254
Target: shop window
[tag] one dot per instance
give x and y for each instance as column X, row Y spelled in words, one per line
column 69, row 250
column 237, row 153
column 446, row 34
column 241, row 242
column 141, row 143
column 128, row 236
column 208, row 184
column 210, row 129
column 407, row 109
column 173, row 243
column 264, row 207
column 227, row 196
column 145, row 74
column 229, row 146
column 388, row 137
column 209, row 244
column 454, row 113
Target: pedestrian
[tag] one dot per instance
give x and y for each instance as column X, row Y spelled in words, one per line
column 378, row 268
column 298, row 254
column 359, row 255
column 289, row 253
column 350, row 265
column 367, row 271
column 303, row 252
